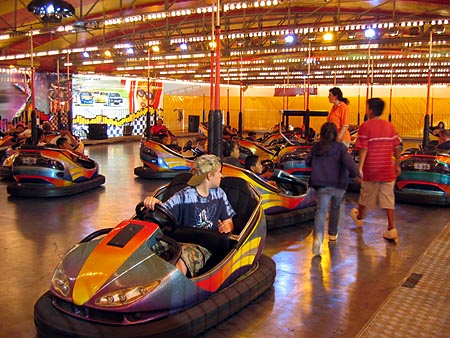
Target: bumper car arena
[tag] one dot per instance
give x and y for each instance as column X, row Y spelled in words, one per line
column 107, row 105
column 348, row 290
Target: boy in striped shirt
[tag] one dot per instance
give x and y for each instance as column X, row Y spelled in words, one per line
column 378, row 143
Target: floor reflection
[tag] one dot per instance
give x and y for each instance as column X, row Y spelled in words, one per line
column 333, row 296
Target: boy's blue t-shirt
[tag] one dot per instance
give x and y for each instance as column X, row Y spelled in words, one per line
column 193, row 210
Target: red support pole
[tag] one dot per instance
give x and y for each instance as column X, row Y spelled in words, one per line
column 59, row 89
column 211, row 89
column 33, row 103
column 69, row 90
column 217, row 91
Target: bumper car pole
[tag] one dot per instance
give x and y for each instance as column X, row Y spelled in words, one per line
column 148, row 124
column 34, row 139
column 215, row 116
column 426, row 136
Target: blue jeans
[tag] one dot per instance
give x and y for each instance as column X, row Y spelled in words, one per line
column 328, row 198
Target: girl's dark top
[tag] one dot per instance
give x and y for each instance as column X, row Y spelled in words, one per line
column 331, row 169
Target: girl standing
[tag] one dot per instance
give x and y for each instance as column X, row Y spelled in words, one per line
column 330, row 164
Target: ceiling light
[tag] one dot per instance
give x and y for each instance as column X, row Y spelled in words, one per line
column 289, row 38
column 52, row 11
column 85, row 54
column 183, row 46
column 327, row 37
column 212, row 45
column 107, row 53
column 369, row 33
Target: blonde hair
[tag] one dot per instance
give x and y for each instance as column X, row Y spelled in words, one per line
column 202, row 166
column 206, row 164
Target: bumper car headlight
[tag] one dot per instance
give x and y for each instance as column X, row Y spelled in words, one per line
column 60, row 281
column 126, row 296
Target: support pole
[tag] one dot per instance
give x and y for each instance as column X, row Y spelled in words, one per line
column 33, row 103
column 69, row 93
column 148, row 124
column 359, row 103
column 366, row 116
column 211, row 88
column 228, row 106
column 426, row 127
column 34, row 139
column 390, row 96
column 204, row 109
column 241, row 95
column 216, row 147
column 309, row 76
column 148, row 83
column 59, row 85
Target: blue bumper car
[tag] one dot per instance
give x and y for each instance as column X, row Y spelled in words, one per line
column 50, row 172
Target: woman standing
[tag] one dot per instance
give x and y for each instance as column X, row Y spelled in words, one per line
column 339, row 114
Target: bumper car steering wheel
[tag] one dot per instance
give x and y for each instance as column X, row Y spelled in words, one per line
column 161, row 216
column 187, row 146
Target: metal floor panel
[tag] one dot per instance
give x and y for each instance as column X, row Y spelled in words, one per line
column 420, row 306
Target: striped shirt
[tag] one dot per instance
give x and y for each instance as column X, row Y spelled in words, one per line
column 380, row 139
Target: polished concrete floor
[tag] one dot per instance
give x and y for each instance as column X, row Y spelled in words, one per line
column 334, row 296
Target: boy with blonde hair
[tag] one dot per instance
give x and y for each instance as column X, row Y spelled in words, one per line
column 202, row 204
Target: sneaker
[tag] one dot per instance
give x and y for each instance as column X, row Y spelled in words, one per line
column 354, row 215
column 333, row 237
column 391, row 235
column 317, row 246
